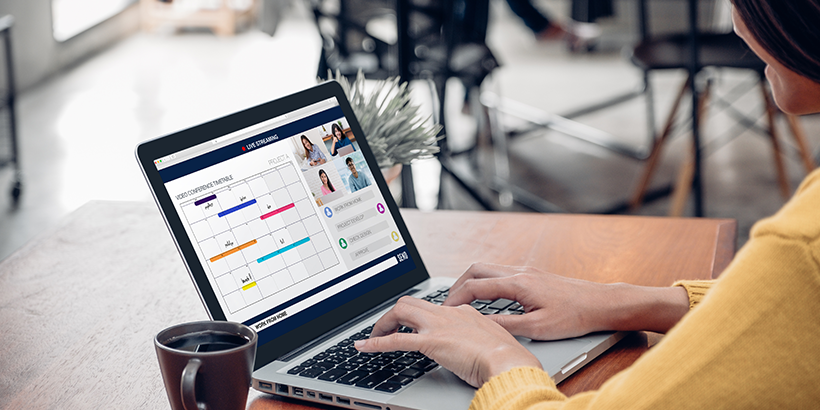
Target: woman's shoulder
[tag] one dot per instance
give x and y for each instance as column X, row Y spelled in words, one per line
column 800, row 217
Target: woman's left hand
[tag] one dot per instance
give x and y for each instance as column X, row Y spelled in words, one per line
column 458, row 338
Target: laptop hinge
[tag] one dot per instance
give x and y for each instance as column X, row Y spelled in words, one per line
column 346, row 326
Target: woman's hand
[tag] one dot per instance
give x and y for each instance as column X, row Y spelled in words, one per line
column 557, row 307
column 458, row 338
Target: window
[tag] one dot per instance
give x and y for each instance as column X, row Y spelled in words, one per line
column 72, row 17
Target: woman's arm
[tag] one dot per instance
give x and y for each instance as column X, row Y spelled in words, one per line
column 558, row 307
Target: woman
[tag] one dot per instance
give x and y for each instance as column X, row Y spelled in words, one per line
column 312, row 153
column 327, row 186
column 747, row 340
column 339, row 139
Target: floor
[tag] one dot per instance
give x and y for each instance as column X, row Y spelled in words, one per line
column 78, row 130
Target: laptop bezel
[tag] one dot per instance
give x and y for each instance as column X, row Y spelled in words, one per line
column 148, row 151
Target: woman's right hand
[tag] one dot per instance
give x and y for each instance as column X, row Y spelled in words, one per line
column 558, row 307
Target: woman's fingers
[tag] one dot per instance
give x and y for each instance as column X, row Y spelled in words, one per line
column 491, row 289
column 407, row 312
column 406, row 342
column 483, row 271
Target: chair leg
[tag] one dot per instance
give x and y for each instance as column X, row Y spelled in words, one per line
column 802, row 144
column 683, row 184
column 654, row 157
column 782, row 179
column 686, row 173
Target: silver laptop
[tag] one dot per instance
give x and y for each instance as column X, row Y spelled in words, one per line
column 346, row 150
column 310, row 276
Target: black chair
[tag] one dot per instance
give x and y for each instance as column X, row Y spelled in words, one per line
column 716, row 50
column 434, row 41
column 7, row 110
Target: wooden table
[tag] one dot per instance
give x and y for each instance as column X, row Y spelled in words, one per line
column 80, row 305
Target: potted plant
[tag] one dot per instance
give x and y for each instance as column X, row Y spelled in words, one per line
column 396, row 130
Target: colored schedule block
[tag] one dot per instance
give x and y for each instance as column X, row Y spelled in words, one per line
column 232, row 251
column 236, row 208
column 277, row 211
column 204, row 200
column 283, row 250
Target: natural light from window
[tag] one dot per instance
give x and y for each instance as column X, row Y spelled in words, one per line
column 72, row 17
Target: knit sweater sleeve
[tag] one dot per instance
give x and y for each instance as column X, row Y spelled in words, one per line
column 695, row 289
column 750, row 344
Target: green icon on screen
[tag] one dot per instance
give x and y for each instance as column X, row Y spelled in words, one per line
column 343, row 243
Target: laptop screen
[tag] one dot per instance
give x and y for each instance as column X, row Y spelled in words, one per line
column 285, row 218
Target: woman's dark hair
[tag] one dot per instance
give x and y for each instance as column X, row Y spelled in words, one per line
column 334, row 128
column 329, row 184
column 786, row 29
column 307, row 151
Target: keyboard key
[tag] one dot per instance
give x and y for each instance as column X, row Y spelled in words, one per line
column 484, row 301
column 381, row 361
column 352, row 377
column 320, row 356
column 347, row 352
column 389, row 387
column 296, row 370
column 488, row 311
column 312, row 372
column 478, row 305
column 348, row 366
column 369, row 367
column 359, row 336
column 374, row 379
column 501, row 304
column 332, row 374
column 358, row 359
column 424, row 365
column 308, row 362
column 405, row 361
column 414, row 355
column 325, row 365
column 392, row 355
column 403, row 380
column 395, row 368
column 405, row 329
column 414, row 373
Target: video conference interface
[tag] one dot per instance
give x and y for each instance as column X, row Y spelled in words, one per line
column 285, row 218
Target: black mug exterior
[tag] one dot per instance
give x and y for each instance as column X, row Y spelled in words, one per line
column 217, row 380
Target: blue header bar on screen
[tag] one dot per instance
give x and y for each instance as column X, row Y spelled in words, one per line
column 249, row 144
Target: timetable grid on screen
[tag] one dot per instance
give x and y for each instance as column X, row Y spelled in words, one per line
column 259, row 236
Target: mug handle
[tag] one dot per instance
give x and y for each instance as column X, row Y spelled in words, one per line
column 188, row 386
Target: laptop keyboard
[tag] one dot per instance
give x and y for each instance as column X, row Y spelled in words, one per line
column 389, row 371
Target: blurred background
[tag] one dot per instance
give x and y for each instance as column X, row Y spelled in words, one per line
column 563, row 117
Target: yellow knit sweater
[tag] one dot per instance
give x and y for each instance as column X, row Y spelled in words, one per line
column 752, row 343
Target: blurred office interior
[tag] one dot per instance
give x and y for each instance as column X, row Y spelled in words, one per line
column 95, row 77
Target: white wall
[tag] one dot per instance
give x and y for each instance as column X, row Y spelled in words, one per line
column 37, row 55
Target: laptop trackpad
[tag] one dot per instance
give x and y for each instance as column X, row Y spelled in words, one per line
column 440, row 389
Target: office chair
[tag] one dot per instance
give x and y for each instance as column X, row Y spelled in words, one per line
column 431, row 40
column 717, row 50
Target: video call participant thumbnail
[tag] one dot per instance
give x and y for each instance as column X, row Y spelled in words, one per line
column 357, row 180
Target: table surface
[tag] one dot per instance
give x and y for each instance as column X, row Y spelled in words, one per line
column 80, row 305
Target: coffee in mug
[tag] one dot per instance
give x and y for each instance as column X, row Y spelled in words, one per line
column 207, row 365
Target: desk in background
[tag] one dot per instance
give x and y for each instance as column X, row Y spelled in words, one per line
column 80, row 305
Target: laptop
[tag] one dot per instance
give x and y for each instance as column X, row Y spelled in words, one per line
column 309, row 276
column 346, row 150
